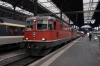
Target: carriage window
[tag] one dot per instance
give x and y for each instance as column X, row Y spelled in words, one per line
column 13, row 30
column 22, row 31
column 29, row 24
column 50, row 24
column 42, row 24
column 54, row 25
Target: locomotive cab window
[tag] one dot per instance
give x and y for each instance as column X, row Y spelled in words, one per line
column 50, row 25
column 54, row 25
column 29, row 24
column 42, row 24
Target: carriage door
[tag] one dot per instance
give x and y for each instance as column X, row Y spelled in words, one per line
column 55, row 35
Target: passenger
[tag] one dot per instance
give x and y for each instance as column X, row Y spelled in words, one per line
column 90, row 36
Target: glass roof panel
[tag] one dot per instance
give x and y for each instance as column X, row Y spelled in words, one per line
column 88, row 6
column 47, row 4
column 43, row 0
column 7, row 5
column 86, row 1
column 94, row 5
column 95, row 0
column 52, row 7
column 85, row 9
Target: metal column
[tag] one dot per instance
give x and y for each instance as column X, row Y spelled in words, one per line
column 69, row 18
column 76, row 20
column 61, row 10
column 14, row 12
column 35, row 7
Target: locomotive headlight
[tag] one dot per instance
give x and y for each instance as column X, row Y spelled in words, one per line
column 43, row 39
column 26, row 38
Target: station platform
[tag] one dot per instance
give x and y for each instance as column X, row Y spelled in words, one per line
column 80, row 52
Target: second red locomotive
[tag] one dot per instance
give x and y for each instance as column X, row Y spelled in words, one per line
column 45, row 32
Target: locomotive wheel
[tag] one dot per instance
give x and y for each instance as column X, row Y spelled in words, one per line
column 33, row 52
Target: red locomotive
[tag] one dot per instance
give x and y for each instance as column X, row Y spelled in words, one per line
column 43, row 33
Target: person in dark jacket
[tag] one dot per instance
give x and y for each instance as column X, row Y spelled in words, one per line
column 90, row 36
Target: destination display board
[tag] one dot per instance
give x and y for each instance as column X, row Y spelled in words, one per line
column 89, row 21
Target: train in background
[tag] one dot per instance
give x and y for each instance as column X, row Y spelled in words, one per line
column 11, row 33
column 43, row 33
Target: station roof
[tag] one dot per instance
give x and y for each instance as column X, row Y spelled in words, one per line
column 69, row 6
column 25, row 6
column 90, row 11
column 96, row 15
column 8, row 13
column 73, row 9
column 66, row 6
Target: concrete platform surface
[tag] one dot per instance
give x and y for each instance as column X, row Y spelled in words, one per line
column 81, row 52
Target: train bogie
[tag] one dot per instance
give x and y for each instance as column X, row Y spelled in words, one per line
column 35, row 48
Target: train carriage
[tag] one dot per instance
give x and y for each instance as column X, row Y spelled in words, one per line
column 11, row 33
column 74, row 33
column 44, row 33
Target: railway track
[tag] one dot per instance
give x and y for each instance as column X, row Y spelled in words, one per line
column 16, row 58
column 10, row 57
column 21, row 59
column 24, row 61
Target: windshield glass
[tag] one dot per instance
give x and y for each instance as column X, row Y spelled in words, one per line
column 29, row 24
column 50, row 25
column 42, row 24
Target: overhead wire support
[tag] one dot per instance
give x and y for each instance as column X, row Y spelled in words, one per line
column 73, row 12
column 35, row 7
column 76, row 20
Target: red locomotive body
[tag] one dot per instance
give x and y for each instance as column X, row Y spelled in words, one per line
column 73, row 33
column 44, row 33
